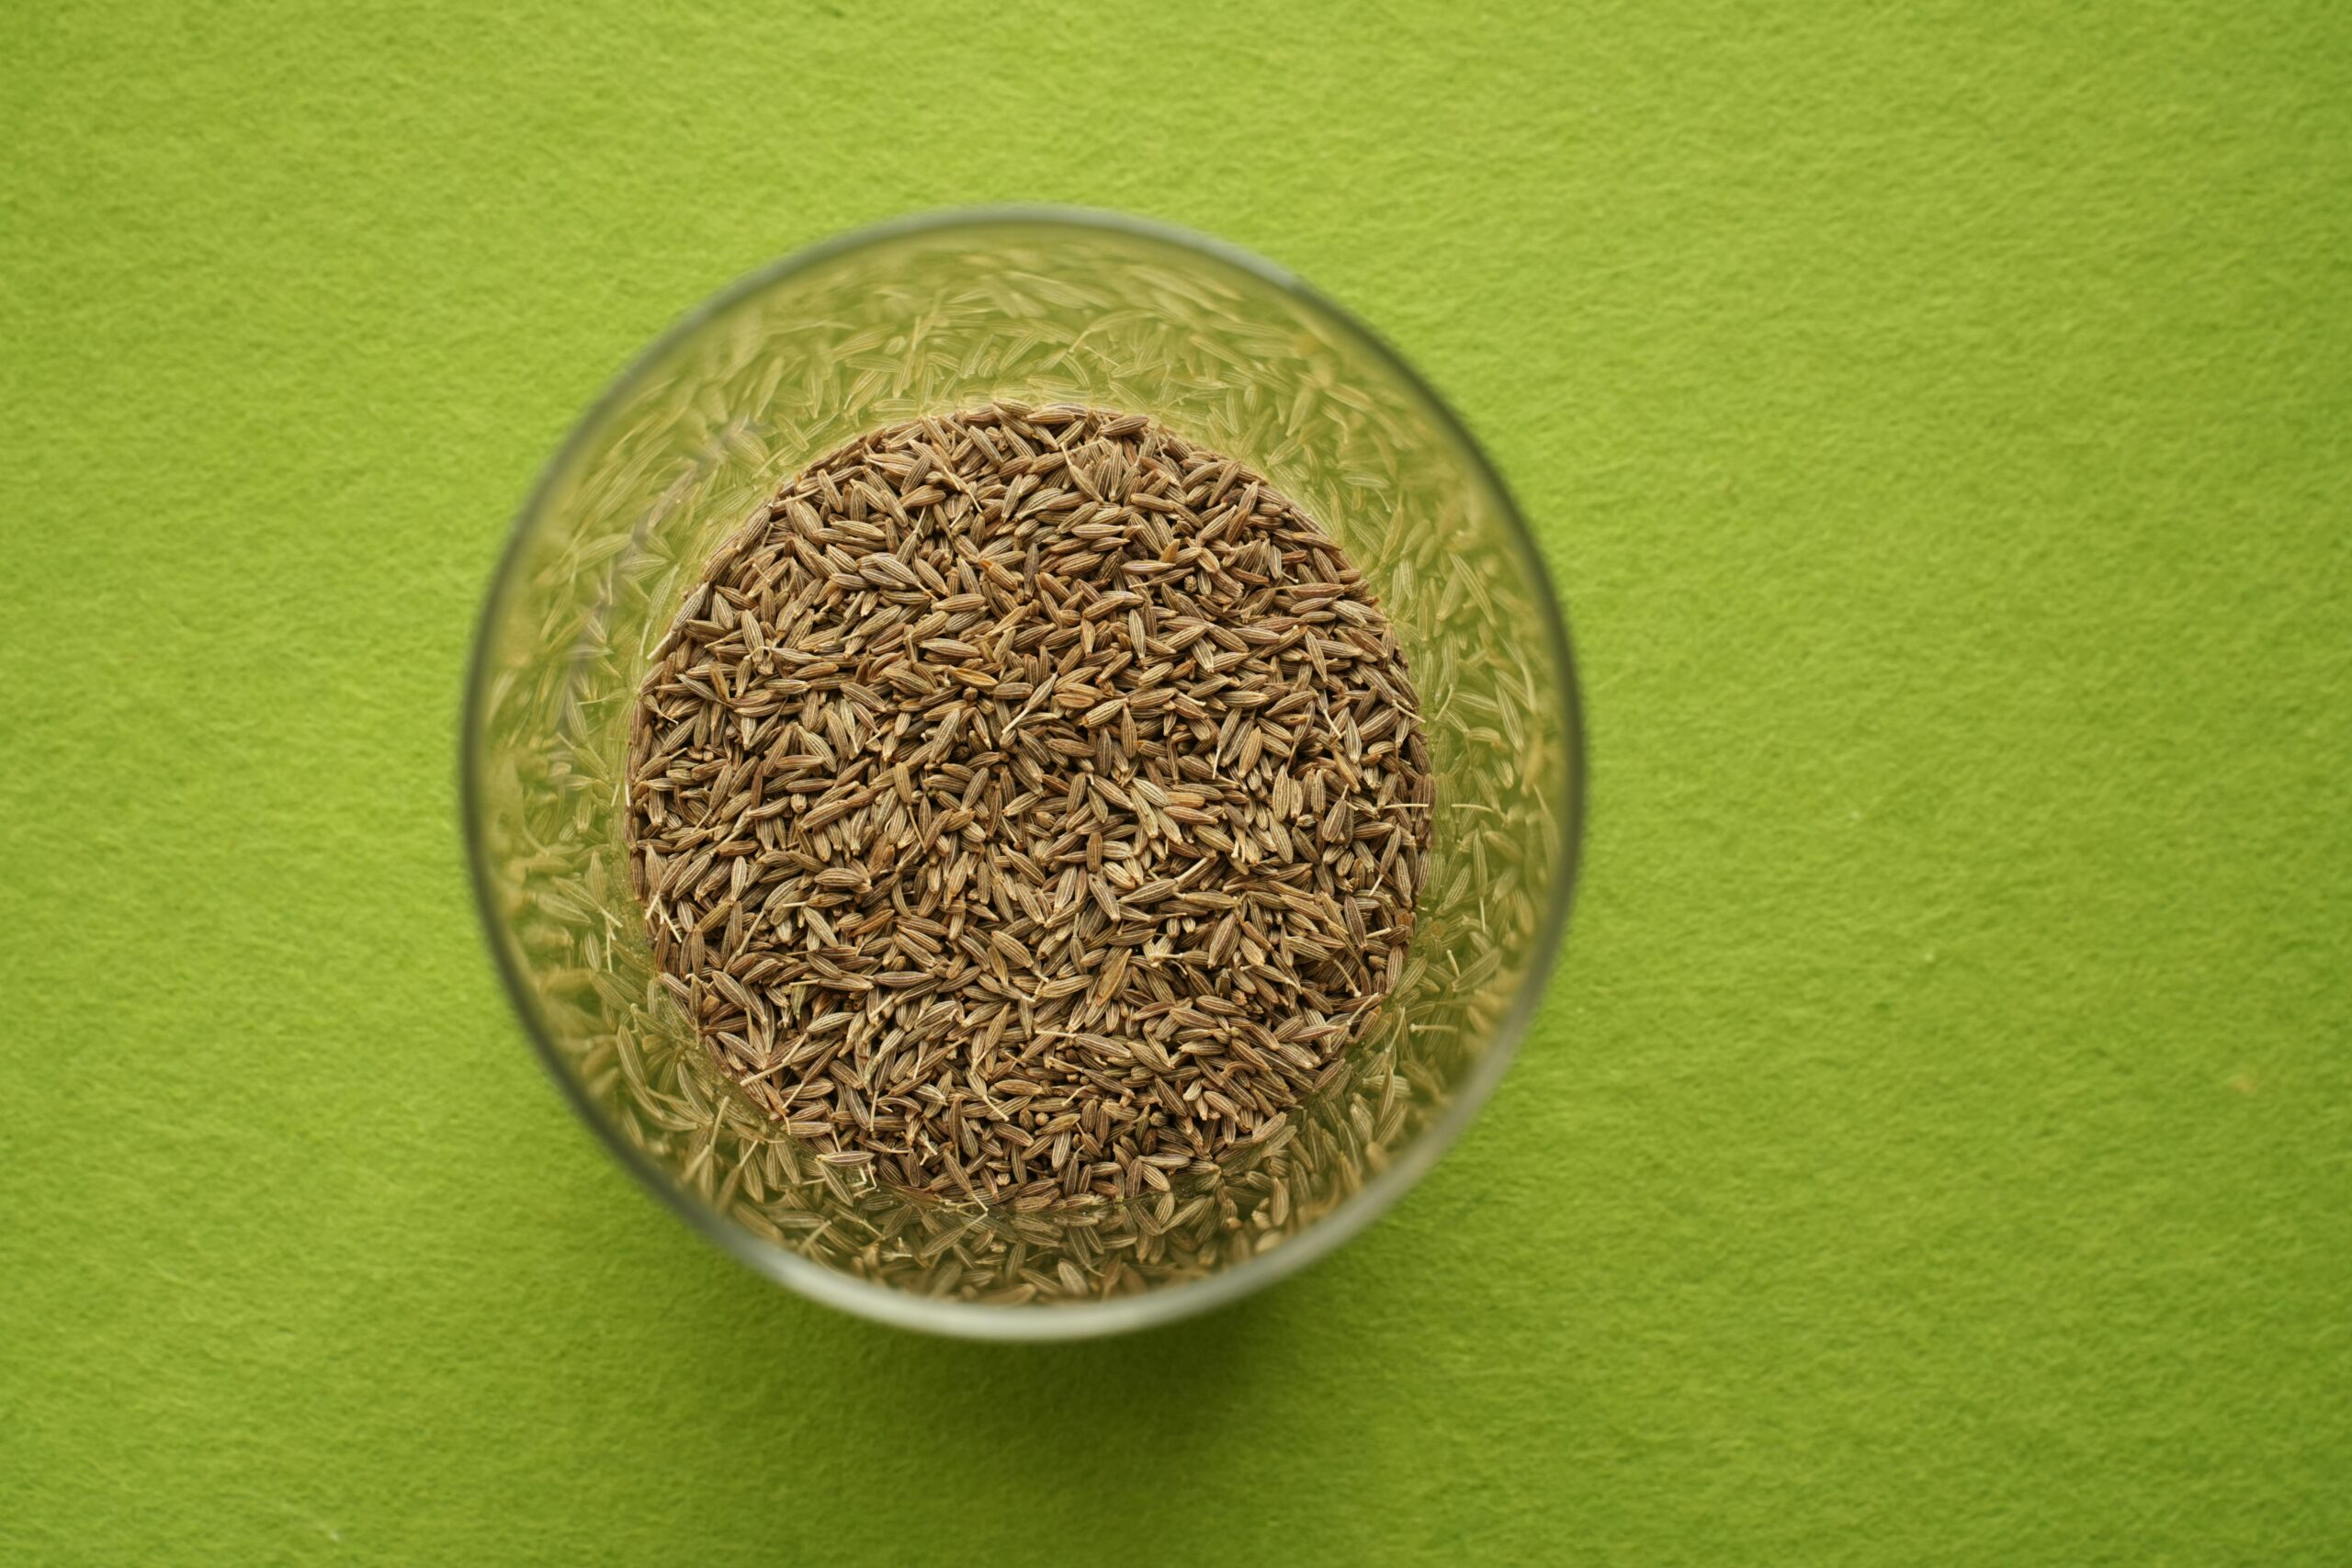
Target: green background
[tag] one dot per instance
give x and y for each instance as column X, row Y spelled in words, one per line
column 1937, row 1145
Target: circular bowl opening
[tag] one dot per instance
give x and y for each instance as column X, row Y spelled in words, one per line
column 928, row 317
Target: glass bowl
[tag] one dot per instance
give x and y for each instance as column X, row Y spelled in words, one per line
column 927, row 317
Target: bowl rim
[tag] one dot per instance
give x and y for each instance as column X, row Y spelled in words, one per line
column 1037, row 1321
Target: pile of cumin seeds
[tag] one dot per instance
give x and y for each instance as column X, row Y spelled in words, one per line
column 1030, row 805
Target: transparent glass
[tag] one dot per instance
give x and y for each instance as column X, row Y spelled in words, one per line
column 927, row 317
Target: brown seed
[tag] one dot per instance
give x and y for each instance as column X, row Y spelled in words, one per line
column 1038, row 737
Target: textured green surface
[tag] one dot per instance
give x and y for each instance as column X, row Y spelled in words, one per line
column 1937, row 1145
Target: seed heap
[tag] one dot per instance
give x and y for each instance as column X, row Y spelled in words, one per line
column 1029, row 804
